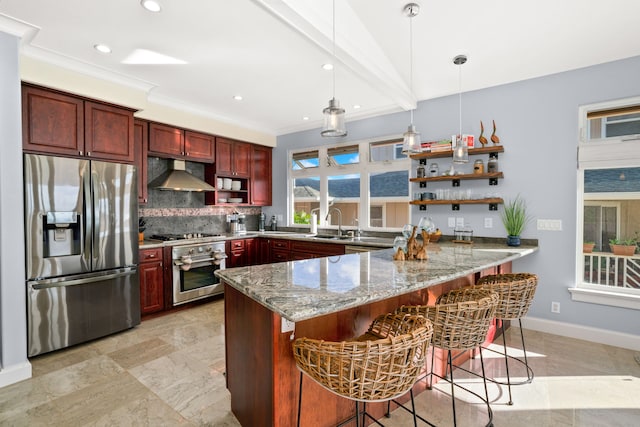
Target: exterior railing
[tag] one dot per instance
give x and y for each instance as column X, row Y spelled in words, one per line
column 605, row 268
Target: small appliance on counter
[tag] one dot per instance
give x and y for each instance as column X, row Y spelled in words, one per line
column 237, row 223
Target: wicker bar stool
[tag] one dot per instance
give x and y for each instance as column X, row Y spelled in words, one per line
column 515, row 293
column 461, row 325
column 380, row 365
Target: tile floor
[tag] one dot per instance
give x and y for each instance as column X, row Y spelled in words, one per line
column 169, row 372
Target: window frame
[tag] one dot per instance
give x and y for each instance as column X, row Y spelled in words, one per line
column 365, row 168
column 602, row 153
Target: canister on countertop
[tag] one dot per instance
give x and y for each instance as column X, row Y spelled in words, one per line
column 478, row 167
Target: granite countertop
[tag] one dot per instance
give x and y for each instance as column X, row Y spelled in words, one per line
column 300, row 290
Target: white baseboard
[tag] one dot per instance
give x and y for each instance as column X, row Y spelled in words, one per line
column 15, row 373
column 587, row 333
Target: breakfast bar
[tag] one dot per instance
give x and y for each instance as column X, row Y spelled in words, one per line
column 332, row 298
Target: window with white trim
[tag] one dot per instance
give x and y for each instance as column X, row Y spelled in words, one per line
column 609, row 203
column 355, row 185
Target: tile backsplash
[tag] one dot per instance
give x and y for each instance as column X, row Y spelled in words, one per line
column 184, row 211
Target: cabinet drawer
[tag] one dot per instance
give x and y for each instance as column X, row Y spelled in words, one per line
column 318, row 249
column 280, row 256
column 237, row 245
column 280, row 244
column 147, row 255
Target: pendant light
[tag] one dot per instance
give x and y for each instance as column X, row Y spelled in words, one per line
column 333, row 114
column 411, row 138
column 460, row 151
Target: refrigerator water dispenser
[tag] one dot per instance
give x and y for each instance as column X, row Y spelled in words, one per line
column 61, row 234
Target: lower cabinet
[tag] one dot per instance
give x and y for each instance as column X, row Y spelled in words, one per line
column 151, row 281
column 240, row 253
column 281, row 250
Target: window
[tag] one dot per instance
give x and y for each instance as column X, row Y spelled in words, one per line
column 609, row 182
column 360, row 185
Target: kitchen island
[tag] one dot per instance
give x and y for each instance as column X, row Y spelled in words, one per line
column 332, row 298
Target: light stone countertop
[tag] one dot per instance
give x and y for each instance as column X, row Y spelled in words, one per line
column 300, row 290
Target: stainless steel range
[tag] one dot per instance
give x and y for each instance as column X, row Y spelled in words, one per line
column 194, row 260
column 194, row 265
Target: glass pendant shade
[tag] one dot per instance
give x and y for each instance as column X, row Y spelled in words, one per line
column 460, row 152
column 333, row 120
column 411, row 141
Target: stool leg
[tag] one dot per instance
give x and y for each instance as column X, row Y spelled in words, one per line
column 433, row 361
column 453, row 397
column 413, row 408
column 299, row 400
column 506, row 361
column 524, row 350
column 486, row 391
column 358, row 414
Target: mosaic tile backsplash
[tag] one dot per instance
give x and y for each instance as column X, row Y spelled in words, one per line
column 184, row 211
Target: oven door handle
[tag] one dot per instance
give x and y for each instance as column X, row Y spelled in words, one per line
column 200, row 262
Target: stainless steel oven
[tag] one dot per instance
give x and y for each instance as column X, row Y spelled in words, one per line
column 194, row 265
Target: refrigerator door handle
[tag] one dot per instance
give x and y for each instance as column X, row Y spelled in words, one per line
column 81, row 279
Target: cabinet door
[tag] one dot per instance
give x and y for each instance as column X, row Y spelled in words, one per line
column 52, row 123
column 166, row 141
column 108, row 132
column 260, row 175
column 151, row 281
column 241, row 159
column 199, row 147
column 224, row 164
column 140, row 139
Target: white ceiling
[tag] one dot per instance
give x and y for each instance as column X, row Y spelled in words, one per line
column 271, row 51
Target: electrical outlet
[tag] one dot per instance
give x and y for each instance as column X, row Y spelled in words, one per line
column 555, row 307
column 459, row 222
column 287, row 325
column 280, row 218
column 549, row 224
column 451, row 222
column 488, row 223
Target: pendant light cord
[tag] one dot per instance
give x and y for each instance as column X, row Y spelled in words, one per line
column 333, row 20
column 411, row 60
column 460, row 100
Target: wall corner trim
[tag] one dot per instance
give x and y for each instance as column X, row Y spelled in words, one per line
column 15, row 373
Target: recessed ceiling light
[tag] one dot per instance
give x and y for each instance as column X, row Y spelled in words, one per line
column 238, row 97
column 151, row 5
column 355, row 107
column 305, row 118
column 102, row 48
column 327, row 67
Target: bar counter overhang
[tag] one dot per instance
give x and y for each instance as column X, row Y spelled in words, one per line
column 333, row 298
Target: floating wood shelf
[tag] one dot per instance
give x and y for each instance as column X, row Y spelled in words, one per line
column 493, row 200
column 495, row 175
column 449, row 153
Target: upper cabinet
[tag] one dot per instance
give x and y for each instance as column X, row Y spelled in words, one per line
column 260, row 175
column 233, row 158
column 141, row 139
column 176, row 143
column 56, row 123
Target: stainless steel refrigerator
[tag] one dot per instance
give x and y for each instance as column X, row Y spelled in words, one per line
column 81, row 227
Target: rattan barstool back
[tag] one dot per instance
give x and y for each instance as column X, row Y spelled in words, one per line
column 369, row 370
column 515, row 292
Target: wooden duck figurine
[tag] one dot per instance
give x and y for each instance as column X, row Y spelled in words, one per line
column 482, row 138
column 494, row 137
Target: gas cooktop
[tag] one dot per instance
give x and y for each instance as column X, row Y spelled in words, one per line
column 169, row 237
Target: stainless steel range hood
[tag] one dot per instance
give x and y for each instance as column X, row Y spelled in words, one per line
column 178, row 179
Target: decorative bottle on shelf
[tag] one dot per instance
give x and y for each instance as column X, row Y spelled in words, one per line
column 420, row 172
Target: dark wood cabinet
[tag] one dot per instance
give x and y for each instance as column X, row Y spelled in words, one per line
column 140, row 138
column 108, row 132
column 151, row 281
column 260, row 192
column 237, row 253
column 279, row 250
column 306, row 250
column 176, row 143
column 233, row 158
column 62, row 124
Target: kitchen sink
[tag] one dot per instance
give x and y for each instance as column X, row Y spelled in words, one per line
column 331, row 237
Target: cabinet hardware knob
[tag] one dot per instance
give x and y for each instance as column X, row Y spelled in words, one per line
column 88, row 153
column 80, row 152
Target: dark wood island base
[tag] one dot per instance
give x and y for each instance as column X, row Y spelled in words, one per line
column 261, row 373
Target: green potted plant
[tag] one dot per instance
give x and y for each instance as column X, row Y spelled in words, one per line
column 626, row 247
column 514, row 218
column 587, row 247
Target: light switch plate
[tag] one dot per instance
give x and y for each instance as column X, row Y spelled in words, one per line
column 459, row 222
column 451, row 222
column 287, row 325
column 488, row 223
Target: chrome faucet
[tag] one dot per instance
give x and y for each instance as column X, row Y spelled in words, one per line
column 339, row 219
